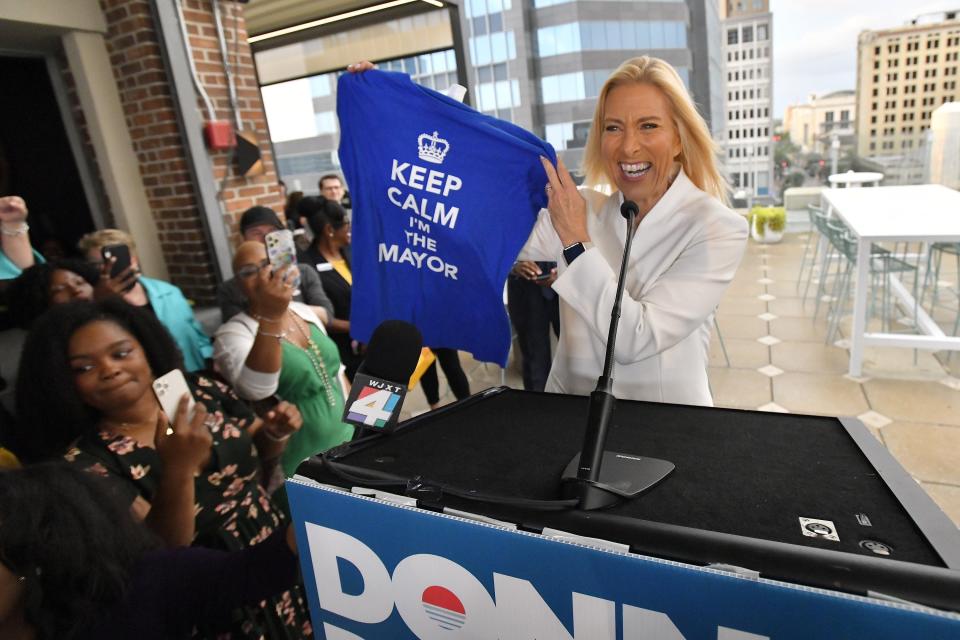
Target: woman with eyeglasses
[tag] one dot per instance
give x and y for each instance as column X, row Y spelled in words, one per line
column 279, row 348
column 330, row 254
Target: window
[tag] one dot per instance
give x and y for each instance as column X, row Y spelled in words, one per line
column 762, row 32
column 732, row 36
column 829, row 116
column 747, row 34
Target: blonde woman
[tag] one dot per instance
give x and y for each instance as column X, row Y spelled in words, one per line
column 648, row 141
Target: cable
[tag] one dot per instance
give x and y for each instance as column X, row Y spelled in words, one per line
column 221, row 38
column 211, row 113
column 381, row 479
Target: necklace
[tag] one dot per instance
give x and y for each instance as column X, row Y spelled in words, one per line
column 315, row 358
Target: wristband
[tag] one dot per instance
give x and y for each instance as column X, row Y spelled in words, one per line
column 21, row 230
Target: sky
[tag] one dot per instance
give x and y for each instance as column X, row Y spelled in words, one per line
column 815, row 41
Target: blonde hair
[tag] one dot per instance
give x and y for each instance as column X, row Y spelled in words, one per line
column 96, row 240
column 698, row 151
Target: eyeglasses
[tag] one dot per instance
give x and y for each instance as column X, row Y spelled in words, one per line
column 250, row 270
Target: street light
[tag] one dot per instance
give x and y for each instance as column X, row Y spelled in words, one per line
column 834, row 153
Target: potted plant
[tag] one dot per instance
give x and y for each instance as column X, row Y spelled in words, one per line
column 767, row 224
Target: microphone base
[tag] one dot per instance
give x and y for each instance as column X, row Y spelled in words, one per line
column 623, row 476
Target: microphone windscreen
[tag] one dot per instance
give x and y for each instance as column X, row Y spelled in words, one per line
column 393, row 351
column 628, row 207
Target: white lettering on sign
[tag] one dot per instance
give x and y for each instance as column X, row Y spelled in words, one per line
column 416, row 259
column 439, row 599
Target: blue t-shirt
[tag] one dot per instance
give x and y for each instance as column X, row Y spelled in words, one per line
column 444, row 198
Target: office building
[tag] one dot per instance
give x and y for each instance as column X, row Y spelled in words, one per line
column 548, row 81
column 747, row 41
column 538, row 65
column 813, row 125
column 903, row 74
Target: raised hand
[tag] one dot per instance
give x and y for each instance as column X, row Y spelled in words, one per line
column 272, row 292
column 568, row 209
column 12, row 209
column 184, row 447
column 282, row 421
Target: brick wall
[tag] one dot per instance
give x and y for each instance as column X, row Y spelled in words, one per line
column 144, row 86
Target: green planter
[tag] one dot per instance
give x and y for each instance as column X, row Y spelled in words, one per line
column 767, row 223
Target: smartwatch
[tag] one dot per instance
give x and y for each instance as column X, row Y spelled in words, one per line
column 572, row 252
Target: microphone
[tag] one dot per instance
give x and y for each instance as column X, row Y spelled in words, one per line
column 596, row 477
column 380, row 384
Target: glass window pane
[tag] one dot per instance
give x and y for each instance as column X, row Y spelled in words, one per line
column 656, row 35
column 515, row 91
column 546, row 42
column 488, row 97
column 438, row 62
column 424, row 64
column 484, row 74
column 503, row 95
column 479, row 25
column 451, row 60
column 511, row 46
column 494, row 6
column 500, row 71
column 498, row 47
column 628, row 35
column 409, row 66
column 550, row 86
column 613, row 35
column 320, row 85
column 496, row 22
column 643, row 34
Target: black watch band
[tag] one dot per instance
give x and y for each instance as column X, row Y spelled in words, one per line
column 573, row 252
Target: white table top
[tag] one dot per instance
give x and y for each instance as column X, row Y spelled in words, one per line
column 855, row 177
column 928, row 212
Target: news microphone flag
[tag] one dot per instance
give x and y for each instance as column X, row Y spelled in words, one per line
column 374, row 403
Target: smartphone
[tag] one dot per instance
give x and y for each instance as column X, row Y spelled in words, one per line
column 282, row 252
column 543, row 276
column 545, row 270
column 119, row 251
column 169, row 388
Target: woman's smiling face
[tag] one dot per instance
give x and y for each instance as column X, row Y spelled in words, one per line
column 639, row 143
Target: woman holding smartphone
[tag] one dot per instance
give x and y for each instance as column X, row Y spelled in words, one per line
column 99, row 361
column 280, row 347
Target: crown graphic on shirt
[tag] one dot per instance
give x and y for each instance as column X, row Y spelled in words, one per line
column 432, row 148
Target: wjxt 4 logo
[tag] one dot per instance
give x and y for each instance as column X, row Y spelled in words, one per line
column 439, row 599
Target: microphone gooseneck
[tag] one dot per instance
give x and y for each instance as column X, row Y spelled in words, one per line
column 596, row 477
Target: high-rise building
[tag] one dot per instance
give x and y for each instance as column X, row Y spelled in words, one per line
column 903, row 75
column 542, row 66
column 538, row 64
column 748, row 66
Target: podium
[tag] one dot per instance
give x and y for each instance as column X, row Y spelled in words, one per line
column 810, row 504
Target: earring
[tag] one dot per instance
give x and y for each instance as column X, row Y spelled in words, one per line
column 21, row 579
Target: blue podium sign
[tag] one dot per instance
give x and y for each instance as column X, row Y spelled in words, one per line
column 375, row 569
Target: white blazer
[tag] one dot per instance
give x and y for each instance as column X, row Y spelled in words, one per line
column 684, row 255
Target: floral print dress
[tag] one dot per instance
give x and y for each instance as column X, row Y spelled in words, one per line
column 233, row 511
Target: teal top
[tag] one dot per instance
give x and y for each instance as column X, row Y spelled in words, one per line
column 9, row 271
column 173, row 310
column 303, row 385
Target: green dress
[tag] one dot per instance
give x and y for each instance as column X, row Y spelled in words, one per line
column 317, row 393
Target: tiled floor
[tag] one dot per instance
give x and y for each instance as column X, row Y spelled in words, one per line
column 779, row 362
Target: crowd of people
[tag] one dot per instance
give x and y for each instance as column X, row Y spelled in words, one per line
column 114, row 504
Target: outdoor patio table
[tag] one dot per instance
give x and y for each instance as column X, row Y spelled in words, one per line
column 855, row 179
column 920, row 213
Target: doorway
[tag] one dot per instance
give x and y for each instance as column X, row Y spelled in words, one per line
column 36, row 159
